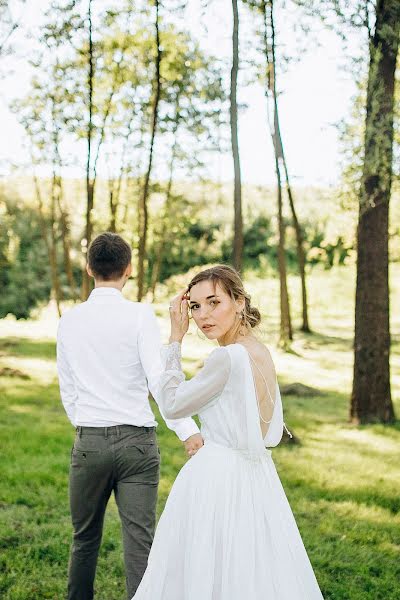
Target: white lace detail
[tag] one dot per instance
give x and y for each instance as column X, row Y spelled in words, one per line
column 172, row 356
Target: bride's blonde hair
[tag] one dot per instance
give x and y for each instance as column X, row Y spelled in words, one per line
column 230, row 281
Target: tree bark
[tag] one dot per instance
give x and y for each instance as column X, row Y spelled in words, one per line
column 301, row 259
column 143, row 208
column 371, row 395
column 237, row 194
column 285, row 332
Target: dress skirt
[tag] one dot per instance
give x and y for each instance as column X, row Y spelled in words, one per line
column 228, row 533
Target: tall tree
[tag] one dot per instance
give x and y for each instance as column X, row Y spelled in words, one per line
column 42, row 113
column 90, row 175
column 237, row 194
column 371, row 396
column 286, row 332
column 143, row 204
column 301, row 256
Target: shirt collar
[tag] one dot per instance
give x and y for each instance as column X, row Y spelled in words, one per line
column 105, row 291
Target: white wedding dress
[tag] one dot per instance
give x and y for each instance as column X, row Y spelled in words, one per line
column 227, row 531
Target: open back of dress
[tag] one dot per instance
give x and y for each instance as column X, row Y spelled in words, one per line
column 267, row 396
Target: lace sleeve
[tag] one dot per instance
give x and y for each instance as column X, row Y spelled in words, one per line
column 171, row 356
column 181, row 398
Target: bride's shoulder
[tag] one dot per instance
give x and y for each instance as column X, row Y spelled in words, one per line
column 218, row 353
column 219, row 360
column 259, row 351
column 218, row 356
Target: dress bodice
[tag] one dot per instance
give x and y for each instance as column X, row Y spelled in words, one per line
column 223, row 394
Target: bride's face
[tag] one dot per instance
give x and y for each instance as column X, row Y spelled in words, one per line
column 213, row 310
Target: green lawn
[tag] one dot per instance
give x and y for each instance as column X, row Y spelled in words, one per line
column 342, row 481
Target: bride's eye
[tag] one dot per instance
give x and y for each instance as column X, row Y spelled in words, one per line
column 194, row 307
column 214, row 303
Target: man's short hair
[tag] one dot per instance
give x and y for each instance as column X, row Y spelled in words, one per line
column 108, row 256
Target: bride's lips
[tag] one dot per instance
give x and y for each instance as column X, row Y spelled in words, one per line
column 207, row 327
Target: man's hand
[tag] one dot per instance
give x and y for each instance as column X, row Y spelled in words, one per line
column 193, row 443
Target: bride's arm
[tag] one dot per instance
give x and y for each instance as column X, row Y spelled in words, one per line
column 181, row 398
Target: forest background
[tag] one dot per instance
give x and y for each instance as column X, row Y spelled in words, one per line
column 167, row 122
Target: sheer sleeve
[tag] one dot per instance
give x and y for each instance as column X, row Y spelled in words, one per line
column 183, row 398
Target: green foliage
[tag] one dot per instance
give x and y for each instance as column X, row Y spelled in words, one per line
column 25, row 273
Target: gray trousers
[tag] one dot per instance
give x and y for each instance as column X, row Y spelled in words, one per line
column 124, row 459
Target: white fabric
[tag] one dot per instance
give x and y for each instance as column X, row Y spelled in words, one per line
column 180, row 397
column 108, row 357
column 227, row 531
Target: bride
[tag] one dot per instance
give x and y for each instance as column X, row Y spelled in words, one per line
column 227, row 531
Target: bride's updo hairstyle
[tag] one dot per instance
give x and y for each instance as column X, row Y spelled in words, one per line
column 230, row 281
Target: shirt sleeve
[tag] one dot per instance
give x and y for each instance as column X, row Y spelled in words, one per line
column 149, row 344
column 68, row 392
column 182, row 398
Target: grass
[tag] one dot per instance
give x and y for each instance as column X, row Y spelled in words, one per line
column 342, row 481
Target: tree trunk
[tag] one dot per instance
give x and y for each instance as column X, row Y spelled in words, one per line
column 143, row 208
column 113, row 209
column 237, row 195
column 286, row 331
column 371, row 396
column 51, row 245
column 163, row 234
column 86, row 283
column 301, row 259
column 42, row 219
column 66, row 240
column 55, row 190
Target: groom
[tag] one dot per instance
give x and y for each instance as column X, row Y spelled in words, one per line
column 108, row 358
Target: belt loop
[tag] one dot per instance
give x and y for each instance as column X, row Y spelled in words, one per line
column 80, row 431
column 106, row 432
column 118, row 431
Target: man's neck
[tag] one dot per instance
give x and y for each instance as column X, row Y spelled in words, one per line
column 118, row 285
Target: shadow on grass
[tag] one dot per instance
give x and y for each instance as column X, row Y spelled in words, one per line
column 323, row 339
column 312, row 492
column 28, row 348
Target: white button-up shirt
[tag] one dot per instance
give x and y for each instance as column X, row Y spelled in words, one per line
column 108, row 357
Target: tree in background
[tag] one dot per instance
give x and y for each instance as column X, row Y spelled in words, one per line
column 193, row 98
column 371, row 396
column 43, row 115
column 25, row 279
column 286, row 331
column 237, row 194
column 90, row 169
column 143, row 204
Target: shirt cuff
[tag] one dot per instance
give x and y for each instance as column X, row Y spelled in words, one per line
column 185, row 428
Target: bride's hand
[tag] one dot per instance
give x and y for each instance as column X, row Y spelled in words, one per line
column 179, row 314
